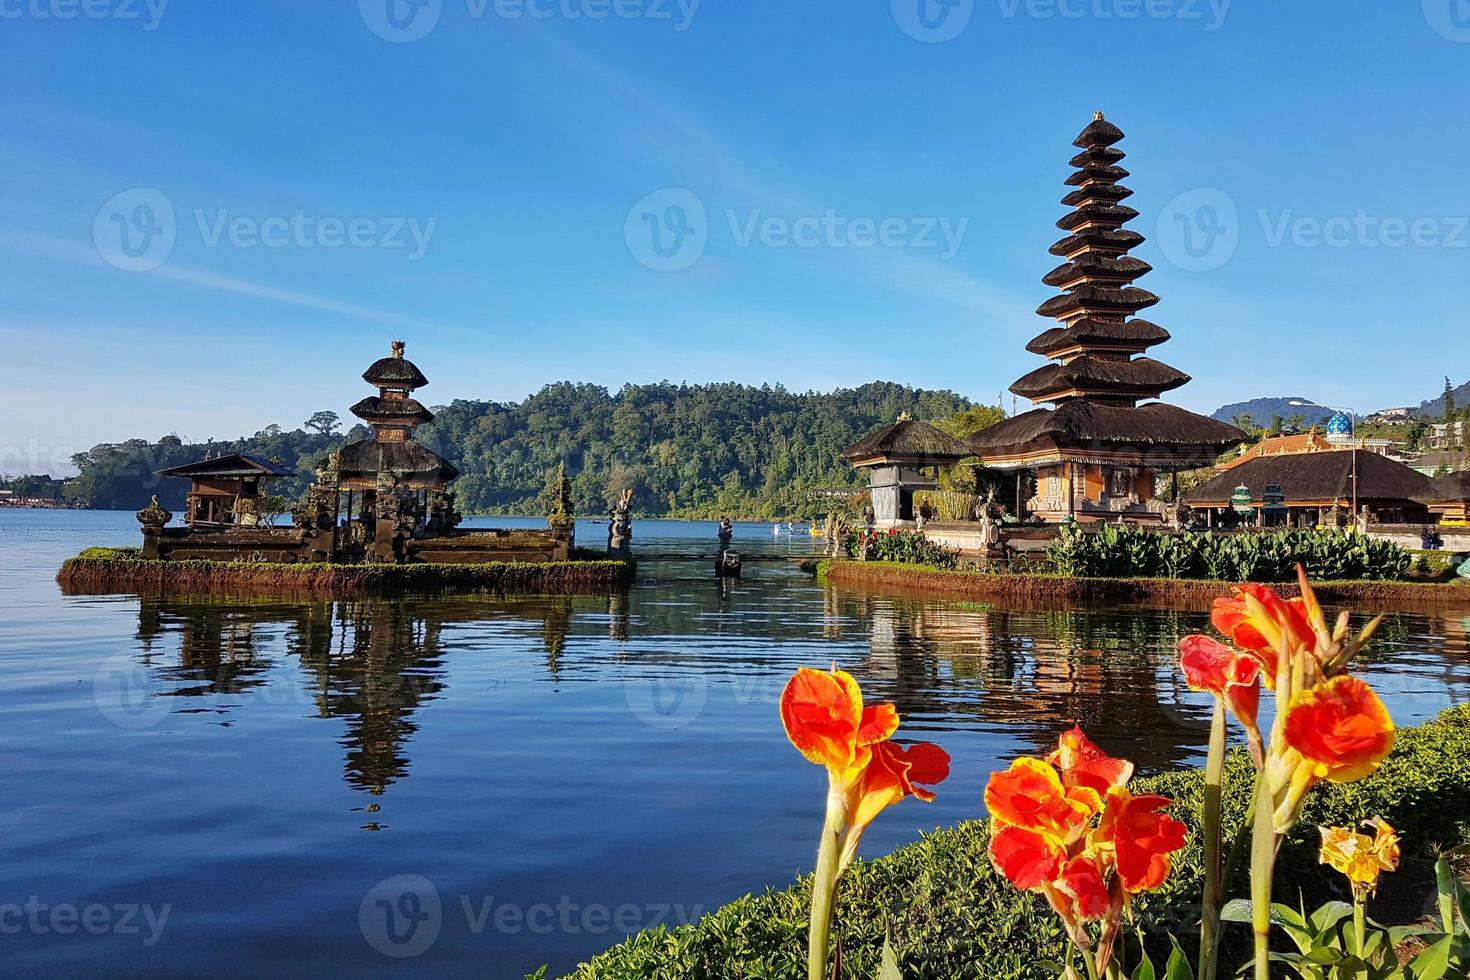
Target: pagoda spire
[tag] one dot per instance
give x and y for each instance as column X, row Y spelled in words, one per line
column 1098, row 336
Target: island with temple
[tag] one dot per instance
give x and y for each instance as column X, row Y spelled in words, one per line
column 380, row 513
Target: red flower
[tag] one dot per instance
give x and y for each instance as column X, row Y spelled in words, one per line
column 1256, row 619
column 1030, row 795
column 1141, row 838
column 1029, row 859
column 1232, row 676
column 1083, row 764
column 1083, row 881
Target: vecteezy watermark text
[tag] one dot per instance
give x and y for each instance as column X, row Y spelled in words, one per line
column 669, row 231
column 1210, row 14
column 137, row 230
column 38, row 918
column 148, row 13
column 402, row 916
column 405, row 21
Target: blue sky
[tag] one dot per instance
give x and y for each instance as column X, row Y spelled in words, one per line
column 844, row 192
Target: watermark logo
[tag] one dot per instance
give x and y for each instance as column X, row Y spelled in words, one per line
column 148, row 13
column 668, row 230
column 666, row 704
column 135, row 230
column 1449, row 18
column 1209, row 13
column 37, row 918
column 1199, row 231
column 401, row 916
column 138, row 229
column 932, row 21
column 128, row 695
column 404, row 21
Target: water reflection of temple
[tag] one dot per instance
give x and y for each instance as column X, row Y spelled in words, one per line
column 1033, row 672
column 372, row 664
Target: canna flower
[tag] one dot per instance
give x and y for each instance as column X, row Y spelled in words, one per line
column 1141, row 838
column 1083, row 764
column 1360, row 857
column 1341, row 729
column 825, row 718
column 1231, row 676
column 1067, row 828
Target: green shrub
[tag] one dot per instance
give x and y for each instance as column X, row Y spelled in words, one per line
column 110, row 554
column 1126, row 551
column 907, row 547
column 954, row 918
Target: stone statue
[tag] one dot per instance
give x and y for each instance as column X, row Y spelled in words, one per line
column 727, row 531
column 559, row 507
column 620, row 527
column 154, row 516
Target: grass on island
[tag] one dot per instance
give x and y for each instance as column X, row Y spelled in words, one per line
column 954, row 918
column 1053, row 587
column 113, row 570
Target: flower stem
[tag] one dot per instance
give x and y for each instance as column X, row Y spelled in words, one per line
column 824, row 884
column 1359, row 923
column 1214, row 884
column 1263, row 866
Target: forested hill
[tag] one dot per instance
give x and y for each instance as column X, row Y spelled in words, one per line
column 691, row 450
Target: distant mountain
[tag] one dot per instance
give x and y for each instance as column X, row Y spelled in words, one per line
column 1433, row 410
column 1261, row 410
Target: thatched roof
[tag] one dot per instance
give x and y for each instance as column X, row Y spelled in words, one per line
column 1452, row 488
column 907, row 441
column 232, row 465
column 1095, row 214
column 405, row 459
column 1123, row 238
column 395, row 371
column 1116, row 267
column 1098, row 332
column 1100, row 133
column 407, row 409
column 1078, row 428
column 1320, row 477
column 1091, row 296
column 1100, row 374
column 1105, row 192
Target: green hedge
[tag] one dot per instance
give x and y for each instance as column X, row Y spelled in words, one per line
column 953, row 918
column 1120, row 550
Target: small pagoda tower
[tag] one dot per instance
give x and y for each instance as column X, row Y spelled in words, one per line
column 402, row 483
column 1097, row 452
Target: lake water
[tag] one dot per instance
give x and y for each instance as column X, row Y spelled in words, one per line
column 475, row 785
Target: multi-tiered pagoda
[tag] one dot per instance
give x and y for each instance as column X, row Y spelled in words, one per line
column 1096, row 454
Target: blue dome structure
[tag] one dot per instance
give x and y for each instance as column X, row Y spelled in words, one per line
column 1340, row 427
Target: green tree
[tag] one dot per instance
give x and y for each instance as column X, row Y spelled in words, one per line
column 1449, row 402
column 323, row 423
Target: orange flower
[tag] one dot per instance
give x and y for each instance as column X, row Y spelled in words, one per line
column 1030, row 795
column 1141, row 837
column 1082, row 880
column 1341, row 729
column 893, row 774
column 1256, row 619
column 1083, row 764
column 1232, row 676
column 1029, row 859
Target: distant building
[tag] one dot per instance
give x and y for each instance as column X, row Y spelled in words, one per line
column 1315, row 488
column 897, row 458
column 1445, row 435
column 1095, row 454
column 1391, row 416
column 1438, row 462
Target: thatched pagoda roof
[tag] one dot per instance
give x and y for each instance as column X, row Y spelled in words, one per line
column 1154, row 434
column 907, row 441
column 1318, row 478
column 405, row 409
column 229, row 467
column 404, row 460
column 1099, row 333
column 1099, row 375
column 395, row 371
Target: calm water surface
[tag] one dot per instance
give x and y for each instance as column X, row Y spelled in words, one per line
column 250, row 788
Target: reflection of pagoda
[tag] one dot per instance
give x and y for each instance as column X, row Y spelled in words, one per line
column 1097, row 452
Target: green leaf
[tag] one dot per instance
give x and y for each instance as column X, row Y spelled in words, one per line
column 1449, row 886
column 889, row 970
column 1433, row 962
column 1145, row 968
column 1178, row 967
column 1329, row 916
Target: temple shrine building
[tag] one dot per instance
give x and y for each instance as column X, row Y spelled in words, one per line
column 1100, row 437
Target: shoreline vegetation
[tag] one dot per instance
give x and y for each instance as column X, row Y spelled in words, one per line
column 102, row 571
column 1063, row 590
column 952, row 916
